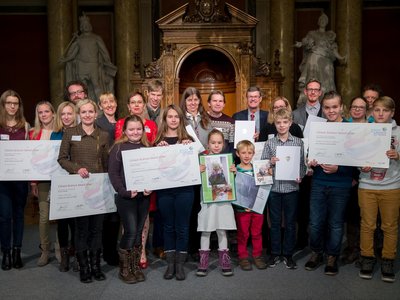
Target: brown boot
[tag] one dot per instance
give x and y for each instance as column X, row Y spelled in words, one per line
column 64, row 264
column 125, row 273
column 44, row 257
column 135, row 267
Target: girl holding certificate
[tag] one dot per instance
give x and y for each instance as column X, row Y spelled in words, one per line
column 65, row 118
column 44, row 127
column 84, row 150
column 379, row 191
column 132, row 206
column 13, row 194
column 137, row 107
column 175, row 204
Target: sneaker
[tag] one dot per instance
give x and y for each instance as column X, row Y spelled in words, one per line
column 367, row 265
column 259, row 261
column 314, row 262
column 245, row 264
column 331, row 267
column 387, row 266
column 273, row 260
column 289, row 262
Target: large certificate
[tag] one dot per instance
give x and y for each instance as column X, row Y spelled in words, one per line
column 74, row 196
column 288, row 165
column 161, row 167
column 350, row 144
column 29, row 160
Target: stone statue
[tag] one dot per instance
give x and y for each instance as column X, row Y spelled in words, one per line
column 87, row 59
column 319, row 54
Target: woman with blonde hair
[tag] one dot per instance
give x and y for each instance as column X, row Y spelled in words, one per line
column 42, row 130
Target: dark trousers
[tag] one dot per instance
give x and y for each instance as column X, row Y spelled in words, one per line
column 13, row 196
column 133, row 213
column 88, row 232
column 64, row 227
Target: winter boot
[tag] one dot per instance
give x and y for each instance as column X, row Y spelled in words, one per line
column 179, row 262
column 95, row 265
column 170, row 258
column 44, row 257
column 84, row 269
column 203, row 264
column 135, row 267
column 6, row 262
column 225, row 262
column 125, row 273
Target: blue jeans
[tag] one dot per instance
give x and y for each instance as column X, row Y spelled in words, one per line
column 12, row 205
column 283, row 204
column 175, row 206
column 327, row 211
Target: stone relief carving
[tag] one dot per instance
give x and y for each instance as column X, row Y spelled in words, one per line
column 206, row 11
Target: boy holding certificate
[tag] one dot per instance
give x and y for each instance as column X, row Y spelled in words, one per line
column 284, row 196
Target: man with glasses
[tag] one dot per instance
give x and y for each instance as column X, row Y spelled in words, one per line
column 313, row 93
column 75, row 91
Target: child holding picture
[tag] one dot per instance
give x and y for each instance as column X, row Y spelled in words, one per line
column 217, row 217
column 379, row 190
column 284, row 195
column 248, row 221
column 132, row 206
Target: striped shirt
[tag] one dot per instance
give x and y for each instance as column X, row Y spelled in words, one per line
column 269, row 151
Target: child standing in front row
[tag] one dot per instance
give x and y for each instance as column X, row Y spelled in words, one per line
column 248, row 221
column 284, row 195
column 217, row 217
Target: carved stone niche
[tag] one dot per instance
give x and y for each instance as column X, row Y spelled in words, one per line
column 208, row 44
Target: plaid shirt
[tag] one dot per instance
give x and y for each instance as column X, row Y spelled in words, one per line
column 284, row 186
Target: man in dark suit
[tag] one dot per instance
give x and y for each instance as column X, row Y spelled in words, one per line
column 253, row 111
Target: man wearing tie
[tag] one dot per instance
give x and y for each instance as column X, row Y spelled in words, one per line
column 253, row 111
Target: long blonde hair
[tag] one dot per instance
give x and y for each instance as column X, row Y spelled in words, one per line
column 38, row 125
column 59, row 126
column 163, row 129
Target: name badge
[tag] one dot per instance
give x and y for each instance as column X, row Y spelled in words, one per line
column 76, row 138
column 4, row 137
column 147, row 129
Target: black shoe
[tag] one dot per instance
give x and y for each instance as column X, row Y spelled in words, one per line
column 273, row 260
column 16, row 258
column 85, row 275
column 331, row 267
column 6, row 262
column 387, row 269
column 367, row 265
column 95, row 258
column 314, row 262
column 289, row 262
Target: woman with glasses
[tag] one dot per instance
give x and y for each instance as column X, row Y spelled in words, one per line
column 12, row 193
column 269, row 130
column 358, row 110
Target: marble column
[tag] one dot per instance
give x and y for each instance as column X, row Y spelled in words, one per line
column 59, row 18
column 348, row 30
column 282, row 38
column 126, row 44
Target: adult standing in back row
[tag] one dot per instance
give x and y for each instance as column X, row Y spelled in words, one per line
column 253, row 111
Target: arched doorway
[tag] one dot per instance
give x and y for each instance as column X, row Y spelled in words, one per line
column 208, row 70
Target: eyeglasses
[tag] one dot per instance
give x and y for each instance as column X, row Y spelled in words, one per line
column 80, row 92
column 7, row 103
column 313, row 90
column 278, row 107
column 354, row 107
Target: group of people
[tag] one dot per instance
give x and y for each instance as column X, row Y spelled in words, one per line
column 320, row 201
